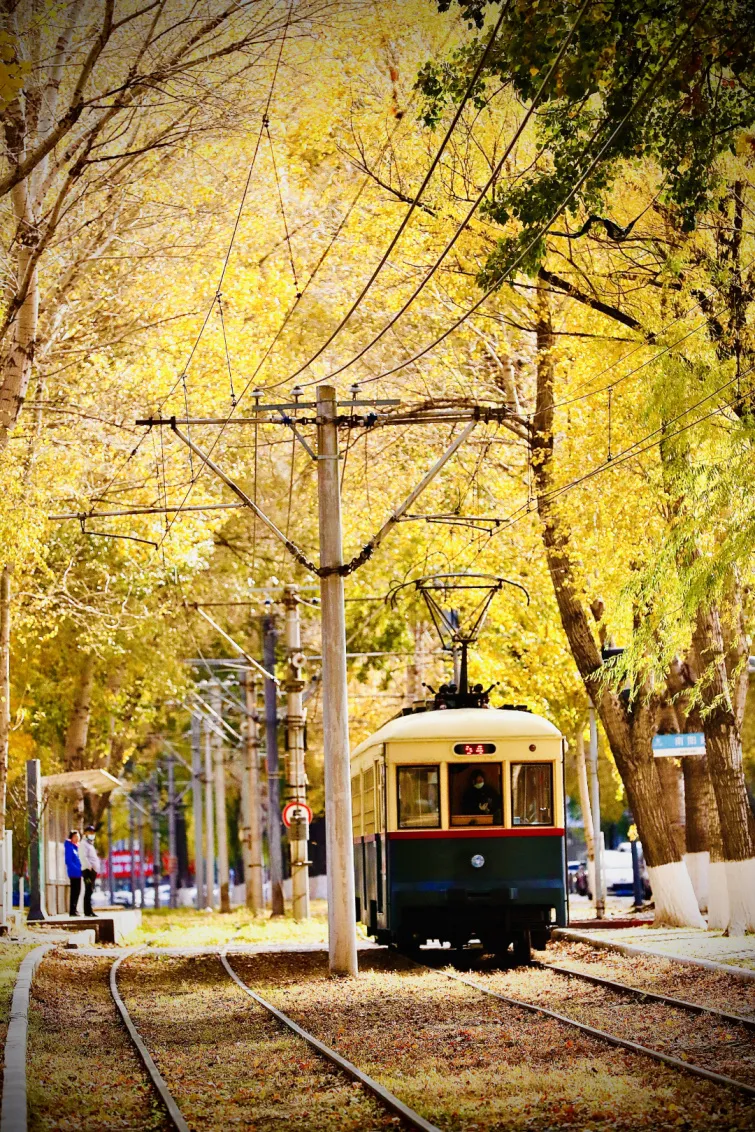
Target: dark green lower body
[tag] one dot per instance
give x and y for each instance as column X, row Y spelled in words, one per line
column 413, row 890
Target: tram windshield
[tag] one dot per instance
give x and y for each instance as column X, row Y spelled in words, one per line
column 532, row 793
column 418, row 797
column 475, row 794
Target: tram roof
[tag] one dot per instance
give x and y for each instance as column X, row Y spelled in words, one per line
column 461, row 724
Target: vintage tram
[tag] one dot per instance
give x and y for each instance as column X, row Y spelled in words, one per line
column 458, row 822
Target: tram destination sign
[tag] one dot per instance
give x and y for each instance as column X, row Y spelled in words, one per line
column 474, row 748
column 676, row 745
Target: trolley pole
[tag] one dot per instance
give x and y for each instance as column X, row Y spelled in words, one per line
column 600, row 888
column 196, row 797
column 221, row 817
column 209, row 821
column 342, row 939
column 298, row 836
column 172, row 859
column 250, row 800
column 273, row 773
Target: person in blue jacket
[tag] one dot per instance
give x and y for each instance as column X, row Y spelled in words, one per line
column 73, row 868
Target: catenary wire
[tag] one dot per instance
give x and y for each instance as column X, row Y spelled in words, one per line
column 644, row 94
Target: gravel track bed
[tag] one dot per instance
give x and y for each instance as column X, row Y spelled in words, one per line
column 698, row 1038
column 465, row 1061
column 83, row 1073
column 228, row 1063
column 663, row 976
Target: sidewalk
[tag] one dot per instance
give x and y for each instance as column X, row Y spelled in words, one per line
column 682, row 943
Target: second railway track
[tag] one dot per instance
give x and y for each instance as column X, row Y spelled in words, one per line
column 642, row 998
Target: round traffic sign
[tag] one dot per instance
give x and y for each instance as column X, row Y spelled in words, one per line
column 296, row 811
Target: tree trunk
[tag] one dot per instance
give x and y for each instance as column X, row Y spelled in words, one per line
column 718, row 891
column 697, row 841
column 629, row 733
column 723, row 745
column 672, row 784
column 78, row 727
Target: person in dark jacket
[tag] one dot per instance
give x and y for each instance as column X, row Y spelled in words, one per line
column 481, row 799
column 73, row 868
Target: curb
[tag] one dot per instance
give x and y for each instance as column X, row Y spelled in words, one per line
column 13, row 1116
column 632, row 949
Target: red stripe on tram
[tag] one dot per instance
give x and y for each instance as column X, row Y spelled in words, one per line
column 430, row 834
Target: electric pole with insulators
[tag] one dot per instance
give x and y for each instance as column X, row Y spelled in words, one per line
column 250, row 800
column 196, row 796
column 275, row 853
column 209, row 820
column 298, row 834
column 221, row 817
column 342, row 937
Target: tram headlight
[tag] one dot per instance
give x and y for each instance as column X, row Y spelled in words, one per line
column 478, row 861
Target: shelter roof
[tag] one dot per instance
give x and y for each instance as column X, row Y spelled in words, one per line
column 93, row 781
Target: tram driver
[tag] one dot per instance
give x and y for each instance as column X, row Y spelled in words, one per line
column 481, row 799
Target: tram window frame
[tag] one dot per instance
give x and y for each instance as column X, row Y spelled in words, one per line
column 470, row 770
column 517, row 822
column 402, row 767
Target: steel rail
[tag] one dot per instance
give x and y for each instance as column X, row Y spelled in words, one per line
column 158, row 1080
column 390, row 1100
column 666, row 999
column 601, row 1035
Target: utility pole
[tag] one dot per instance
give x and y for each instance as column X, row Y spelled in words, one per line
column 172, row 859
column 110, row 877
column 298, row 835
column 342, row 939
column 250, row 800
column 584, row 801
column 142, row 863
column 221, row 818
column 156, row 862
column 600, row 890
column 196, row 794
column 209, row 821
column 4, row 701
column 273, row 773
column 132, row 874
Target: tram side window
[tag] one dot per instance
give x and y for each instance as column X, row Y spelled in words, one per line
column 532, row 793
column 475, row 794
column 418, row 797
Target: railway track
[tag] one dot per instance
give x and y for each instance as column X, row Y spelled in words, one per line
column 388, row 1100
column 615, row 1039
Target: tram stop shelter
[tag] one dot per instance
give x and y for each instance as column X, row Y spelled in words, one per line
column 55, row 806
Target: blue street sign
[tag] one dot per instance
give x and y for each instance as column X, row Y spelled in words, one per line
column 670, row 745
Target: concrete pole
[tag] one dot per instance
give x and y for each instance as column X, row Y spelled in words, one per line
column 4, row 700
column 196, row 794
column 110, row 877
column 142, row 864
column 209, row 821
column 584, row 802
column 132, row 862
column 250, row 800
column 600, row 885
column 172, row 859
column 273, row 773
column 221, row 817
column 342, row 939
column 298, row 834
column 36, row 848
column 156, row 857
